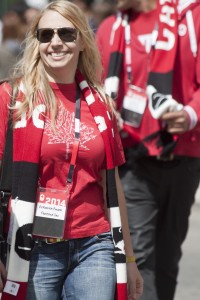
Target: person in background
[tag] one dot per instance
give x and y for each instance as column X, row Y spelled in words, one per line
column 68, row 227
column 101, row 9
column 96, row 11
column 30, row 14
column 15, row 23
column 162, row 146
column 13, row 34
column 86, row 7
column 34, row 6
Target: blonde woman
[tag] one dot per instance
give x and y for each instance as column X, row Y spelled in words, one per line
column 67, row 206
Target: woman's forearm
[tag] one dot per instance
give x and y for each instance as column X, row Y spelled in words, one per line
column 124, row 217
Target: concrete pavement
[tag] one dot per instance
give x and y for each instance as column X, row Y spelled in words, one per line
column 189, row 276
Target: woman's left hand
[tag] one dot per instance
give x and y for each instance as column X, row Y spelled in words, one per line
column 135, row 282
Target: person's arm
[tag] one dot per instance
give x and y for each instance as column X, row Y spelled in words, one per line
column 135, row 281
column 2, row 275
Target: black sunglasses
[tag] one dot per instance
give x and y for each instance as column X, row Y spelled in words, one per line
column 66, row 34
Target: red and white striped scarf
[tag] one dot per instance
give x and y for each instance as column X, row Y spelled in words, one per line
column 159, row 86
column 160, row 70
column 27, row 138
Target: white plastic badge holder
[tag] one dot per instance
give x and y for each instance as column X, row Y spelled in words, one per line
column 50, row 215
column 134, row 105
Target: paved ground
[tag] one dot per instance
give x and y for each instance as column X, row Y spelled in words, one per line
column 189, row 277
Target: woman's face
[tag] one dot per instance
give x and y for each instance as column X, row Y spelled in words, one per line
column 60, row 58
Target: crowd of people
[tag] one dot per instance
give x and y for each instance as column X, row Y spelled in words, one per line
column 14, row 24
column 120, row 81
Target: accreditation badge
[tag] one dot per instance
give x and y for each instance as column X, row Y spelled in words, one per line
column 134, row 104
column 50, row 214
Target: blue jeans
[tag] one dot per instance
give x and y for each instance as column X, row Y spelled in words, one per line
column 79, row 269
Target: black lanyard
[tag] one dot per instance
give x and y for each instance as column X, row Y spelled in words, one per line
column 76, row 142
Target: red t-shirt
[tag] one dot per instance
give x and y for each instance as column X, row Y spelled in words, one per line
column 85, row 215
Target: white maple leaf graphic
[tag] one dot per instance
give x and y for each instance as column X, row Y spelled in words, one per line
column 65, row 130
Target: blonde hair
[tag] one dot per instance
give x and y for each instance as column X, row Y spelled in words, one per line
column 30, row 68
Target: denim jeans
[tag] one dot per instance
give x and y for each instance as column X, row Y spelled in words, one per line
column 79, row 269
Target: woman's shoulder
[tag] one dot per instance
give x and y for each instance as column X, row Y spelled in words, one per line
column 5, row 85
column 5, row 91
column 104, row 98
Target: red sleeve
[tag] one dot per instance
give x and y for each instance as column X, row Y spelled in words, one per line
column 195, row 101
column 186, row 84
column 5, row 90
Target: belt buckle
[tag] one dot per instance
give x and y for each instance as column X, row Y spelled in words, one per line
column 53, row 240
column 169, row 157
column 49, row 240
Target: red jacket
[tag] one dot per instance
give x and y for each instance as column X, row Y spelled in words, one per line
column 186, row 78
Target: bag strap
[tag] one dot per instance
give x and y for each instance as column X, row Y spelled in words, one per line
column 6, row 165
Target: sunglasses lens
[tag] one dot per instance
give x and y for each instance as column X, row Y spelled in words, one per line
column 67, row 34
column 45, row 35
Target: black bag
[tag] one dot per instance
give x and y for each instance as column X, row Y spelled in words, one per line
column 5, row 185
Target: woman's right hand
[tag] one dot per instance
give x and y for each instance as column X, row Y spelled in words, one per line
column 135, row 282
column 3, row 275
